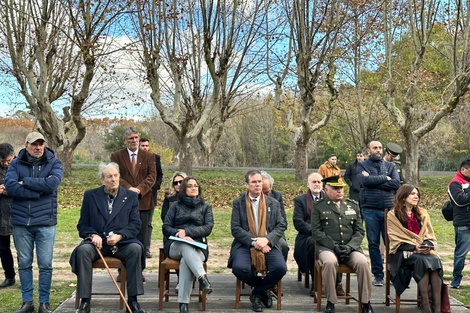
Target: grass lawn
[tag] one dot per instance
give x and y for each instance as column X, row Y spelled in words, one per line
column 219, row 189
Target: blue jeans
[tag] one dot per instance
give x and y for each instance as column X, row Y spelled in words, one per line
column 374, row 220
column 25, row 238
column 462, row 246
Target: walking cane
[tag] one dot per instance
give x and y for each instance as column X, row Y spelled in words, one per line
column 114, row 281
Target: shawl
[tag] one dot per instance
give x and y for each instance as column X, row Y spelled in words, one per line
column 258, row 261
column 399, row 235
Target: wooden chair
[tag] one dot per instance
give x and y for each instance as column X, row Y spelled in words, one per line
column 241, row 285
column 167, row 266
column 342, row 268
column 307, row 277
column 388, row 297
column 112, row 263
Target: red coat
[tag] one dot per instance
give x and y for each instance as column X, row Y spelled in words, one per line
column 144, row 178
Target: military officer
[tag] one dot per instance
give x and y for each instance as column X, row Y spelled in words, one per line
column 338, row 232
column 392, row 154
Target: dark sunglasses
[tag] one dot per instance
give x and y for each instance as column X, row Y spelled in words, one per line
column 177, row 182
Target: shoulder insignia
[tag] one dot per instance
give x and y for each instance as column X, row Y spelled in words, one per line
column 353, row 201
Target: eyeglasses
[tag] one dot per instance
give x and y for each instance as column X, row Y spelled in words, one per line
column 177, row 182
column 193, row 186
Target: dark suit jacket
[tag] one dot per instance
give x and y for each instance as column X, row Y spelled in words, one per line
column 158, row 181
column 95, row 219
column 275, row 224
column 278, row 196
column 145, row 176
column 301, row 219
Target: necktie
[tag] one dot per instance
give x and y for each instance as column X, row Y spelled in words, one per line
column 133, row 162
column 254, row 200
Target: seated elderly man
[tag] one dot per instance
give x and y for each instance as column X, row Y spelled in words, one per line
column 334, row 247
column 109, row 221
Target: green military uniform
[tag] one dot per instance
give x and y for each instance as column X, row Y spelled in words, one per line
column 337, row 226
column 395, row 150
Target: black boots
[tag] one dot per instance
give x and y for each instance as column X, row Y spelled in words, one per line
column 367, row 308
column 26, row 307
column 7, row 282
column 184, row 308
column 44, row 308
column 206, row 285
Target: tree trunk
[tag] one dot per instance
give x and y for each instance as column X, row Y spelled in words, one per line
column 66, row 156
column 300, row 161
column 186, row 157
column 412, row 159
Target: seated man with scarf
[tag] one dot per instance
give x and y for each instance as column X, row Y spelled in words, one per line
column 257, row 225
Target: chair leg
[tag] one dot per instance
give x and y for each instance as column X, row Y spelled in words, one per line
column 77, row 298
column 299, row 275
column 397, row 303
column 161, row 286
column 238, row 287
column 348, row 286
column 307, row 279
column 279, row 294
column 123, row 286
column 318, row 287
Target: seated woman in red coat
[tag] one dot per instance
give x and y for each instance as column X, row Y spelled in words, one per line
column 412, row 248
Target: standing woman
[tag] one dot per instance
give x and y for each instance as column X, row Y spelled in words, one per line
column 176, row 181
column 412, row 248
column 7, row 153
column 191, row 219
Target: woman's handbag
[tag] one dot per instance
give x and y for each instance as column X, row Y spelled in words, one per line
column 445, row 302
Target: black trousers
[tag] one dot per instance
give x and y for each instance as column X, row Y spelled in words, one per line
column 6, row 257
column 241, row 268
column 130, row 254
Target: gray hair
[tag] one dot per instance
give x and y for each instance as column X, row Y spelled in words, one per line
column 266, row 176
column 128, row 131
column 103, row 166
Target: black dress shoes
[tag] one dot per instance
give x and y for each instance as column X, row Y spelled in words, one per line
column 44, row 308
column 84, row 307
column 184, row 308
column 26, row 307
column 256, row 304
column 367, row 308
column 206, row 285
column 267, row 300
column 135, row 307
column 7, row 282
column 330, row 307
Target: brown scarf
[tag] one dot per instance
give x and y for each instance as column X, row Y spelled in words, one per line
column 399, row 234
column 257, row 257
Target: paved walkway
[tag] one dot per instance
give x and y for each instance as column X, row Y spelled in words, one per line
column 296, row 298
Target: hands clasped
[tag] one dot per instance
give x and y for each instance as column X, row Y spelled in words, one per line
column 343, row 252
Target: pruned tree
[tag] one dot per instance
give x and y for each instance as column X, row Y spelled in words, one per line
column 202, row 60
column 418, row 36
column 314, row 29
column 52, row 50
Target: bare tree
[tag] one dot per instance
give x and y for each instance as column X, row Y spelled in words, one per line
column 52, row 48
column 409, row 91
column 315, row 26
column 202, row 60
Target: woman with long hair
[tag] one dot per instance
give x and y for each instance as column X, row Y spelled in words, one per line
column 175, row 184
column 413, row 248
column 190, row 219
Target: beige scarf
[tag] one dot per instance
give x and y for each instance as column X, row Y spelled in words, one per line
column 398, row 234
column 258, row 261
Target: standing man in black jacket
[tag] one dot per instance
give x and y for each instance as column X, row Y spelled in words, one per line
column 144, row 144
column 350, row 176
column 459, row 193
column 379, row 181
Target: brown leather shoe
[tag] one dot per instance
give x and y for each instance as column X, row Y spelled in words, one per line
column 339, row 290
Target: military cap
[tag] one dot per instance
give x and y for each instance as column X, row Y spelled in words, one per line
column 393, row 149
column 334, row 181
